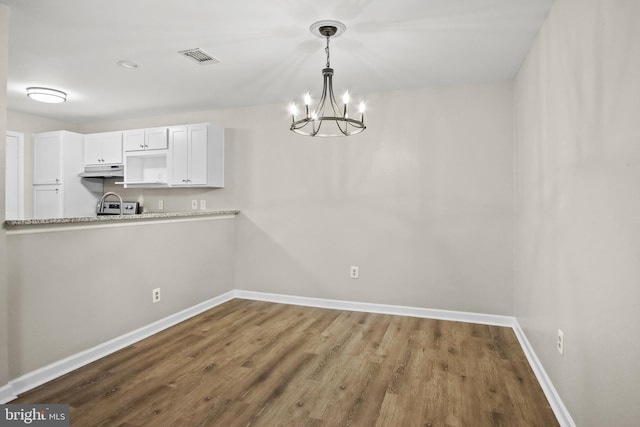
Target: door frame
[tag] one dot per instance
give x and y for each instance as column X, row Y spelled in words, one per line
column 20, row 169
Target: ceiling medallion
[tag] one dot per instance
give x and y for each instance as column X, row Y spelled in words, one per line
column 327, row 119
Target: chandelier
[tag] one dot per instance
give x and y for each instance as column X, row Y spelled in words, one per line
column 327, row 118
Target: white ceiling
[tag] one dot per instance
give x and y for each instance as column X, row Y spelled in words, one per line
column 268, row 54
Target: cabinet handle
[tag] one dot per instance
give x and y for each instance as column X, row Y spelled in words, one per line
column 57, row 180
column 146, row 146
column 141, row 145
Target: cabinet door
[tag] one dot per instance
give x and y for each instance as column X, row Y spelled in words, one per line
column 111, row 148
column 47, row 201
column 92, row 150
column 198, row 155
column 156, row 139
column 133, row 140
column 47, row 159
column 179, row 155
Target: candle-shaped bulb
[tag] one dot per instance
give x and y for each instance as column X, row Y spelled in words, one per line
column 293, row 109
column 345, row 97
column 362, row 107
column 307, row 99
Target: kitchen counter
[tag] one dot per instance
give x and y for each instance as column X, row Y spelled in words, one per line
column 32, row 224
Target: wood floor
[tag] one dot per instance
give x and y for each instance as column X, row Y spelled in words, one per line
column 263, row 364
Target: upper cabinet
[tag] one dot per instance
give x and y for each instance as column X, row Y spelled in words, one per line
column 103, row 148
column 48, row 156
column 145, row 139
column 194, row 158
column 196, row 155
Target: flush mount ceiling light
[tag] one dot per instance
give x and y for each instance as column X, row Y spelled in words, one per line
column 327, row 118
column 43, row 94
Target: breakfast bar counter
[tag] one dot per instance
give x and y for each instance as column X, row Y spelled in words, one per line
column 57, row 224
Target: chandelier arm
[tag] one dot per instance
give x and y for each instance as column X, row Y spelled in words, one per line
column 323, row 97
column 334, row 104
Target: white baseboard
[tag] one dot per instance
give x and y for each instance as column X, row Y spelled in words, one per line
column 6, row 394
column 458, row 316
column 61, row 367
column 560, row 411
column 47, row 373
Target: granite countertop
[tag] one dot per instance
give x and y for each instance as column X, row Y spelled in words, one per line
column 116, row 218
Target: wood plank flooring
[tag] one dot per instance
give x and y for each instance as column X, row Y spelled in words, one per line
column 251, row 363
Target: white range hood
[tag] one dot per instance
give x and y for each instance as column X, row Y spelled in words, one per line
column 103, row 171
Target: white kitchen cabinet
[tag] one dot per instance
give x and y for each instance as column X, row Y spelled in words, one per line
column 196, row 156
column 103, row 148
column 47, row 201
column 58, row 191
column 47, row 157
column 145, row 139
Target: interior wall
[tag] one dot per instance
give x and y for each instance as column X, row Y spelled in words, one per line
column 421, row 201
column 578, row 168
column 72, row 290
column 4, row 324
column 29, row 124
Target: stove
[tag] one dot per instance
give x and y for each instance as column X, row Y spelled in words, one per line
column 113, row 208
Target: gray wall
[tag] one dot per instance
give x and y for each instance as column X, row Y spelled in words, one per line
column 421, row 202
column 72, row 290
column 578, row 227
column 4, row 326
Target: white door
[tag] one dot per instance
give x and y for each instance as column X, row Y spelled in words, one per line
column 155, row 139
column 112, row 148
column 92, row 150
column 198, row 155
column 14, row 176
column 47, row 201
column 179, row 155
column 47, row 158
column 133, row 140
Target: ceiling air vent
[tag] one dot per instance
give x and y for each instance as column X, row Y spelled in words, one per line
column 199, row 56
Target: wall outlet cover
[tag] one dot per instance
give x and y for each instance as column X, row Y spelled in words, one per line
column 560, row 342
column 354, row 272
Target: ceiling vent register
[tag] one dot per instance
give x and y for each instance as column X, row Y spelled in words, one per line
column 199, row 56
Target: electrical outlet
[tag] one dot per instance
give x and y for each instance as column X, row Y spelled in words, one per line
column 560, row 342
column 160, row 205
column 354, row 272
column 155, row 295
column 194, row 204
column 203, row 204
